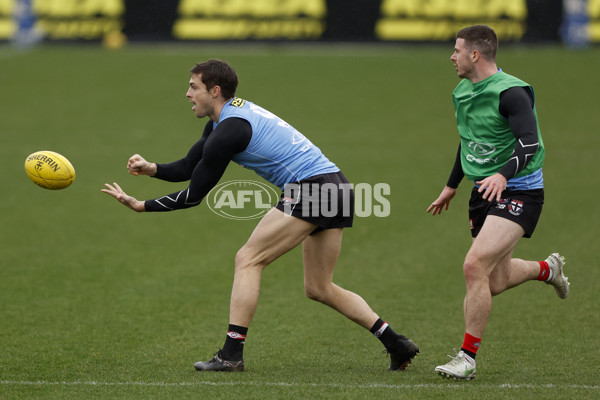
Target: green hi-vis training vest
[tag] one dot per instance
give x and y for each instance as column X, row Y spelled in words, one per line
column 487, row 142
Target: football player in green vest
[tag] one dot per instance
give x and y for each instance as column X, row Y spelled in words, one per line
column 502, row 152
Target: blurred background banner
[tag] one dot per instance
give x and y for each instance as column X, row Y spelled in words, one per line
column 258, row 19
column 60, row 19
column 575, row 22
column 440, row 20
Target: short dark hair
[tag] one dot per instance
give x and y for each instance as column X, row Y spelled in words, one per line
column 217, row 73
column 481, row 38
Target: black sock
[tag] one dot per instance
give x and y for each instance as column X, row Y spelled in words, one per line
column 233, row 350
column 469, row 353
column 382, row 331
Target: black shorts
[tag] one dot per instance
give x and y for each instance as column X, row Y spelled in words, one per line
column 324, row 200
column 521, row 206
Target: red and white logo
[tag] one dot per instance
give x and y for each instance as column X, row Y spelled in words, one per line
column 235, row 335
column 515, row 207
column 381, row 329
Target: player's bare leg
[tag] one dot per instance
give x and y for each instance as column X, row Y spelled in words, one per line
column 511, row 272
column 275, row 235
column 488, row 271
column 498, row 236
column 492, row 247
column 320, row 254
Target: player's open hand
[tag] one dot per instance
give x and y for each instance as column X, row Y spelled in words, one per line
column 137, row 165
column 443, row 201
column 492, row 187
column 115, row 191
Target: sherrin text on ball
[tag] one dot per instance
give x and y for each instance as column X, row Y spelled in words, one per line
column 49, row 170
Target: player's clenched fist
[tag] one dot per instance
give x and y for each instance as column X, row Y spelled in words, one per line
column 137, row 165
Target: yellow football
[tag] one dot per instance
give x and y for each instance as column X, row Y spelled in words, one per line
column 49, row 170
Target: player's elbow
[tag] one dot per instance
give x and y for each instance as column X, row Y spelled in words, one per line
column 192, row 198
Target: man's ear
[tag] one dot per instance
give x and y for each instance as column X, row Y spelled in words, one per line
column 475, row 55
column 215, row 91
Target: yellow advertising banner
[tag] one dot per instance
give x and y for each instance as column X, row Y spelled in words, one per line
column 398, row 20
column 422, row 20
column 593, row 9
column 64, row 19
column 256, row 19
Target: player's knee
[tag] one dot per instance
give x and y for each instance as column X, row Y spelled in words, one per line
column 315, row 292
column 240, row 258
column 246, row 258
column 473, row 269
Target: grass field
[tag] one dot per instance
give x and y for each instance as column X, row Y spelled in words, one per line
column 99, row 302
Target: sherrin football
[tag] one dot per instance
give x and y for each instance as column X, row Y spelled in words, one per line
column 49, row 170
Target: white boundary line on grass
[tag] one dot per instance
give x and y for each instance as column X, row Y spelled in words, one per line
column 293, row 384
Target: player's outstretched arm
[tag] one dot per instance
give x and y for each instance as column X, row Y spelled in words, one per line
column 137, row 165
column 443, row 201
column 115, row 191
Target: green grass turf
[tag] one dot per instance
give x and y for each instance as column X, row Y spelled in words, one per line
column 97, row 301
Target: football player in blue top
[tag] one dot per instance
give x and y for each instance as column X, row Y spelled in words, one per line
column 243, row 132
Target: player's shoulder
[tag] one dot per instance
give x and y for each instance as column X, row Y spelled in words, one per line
column 236, row 107
column 509, row 80
column 238, row 102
